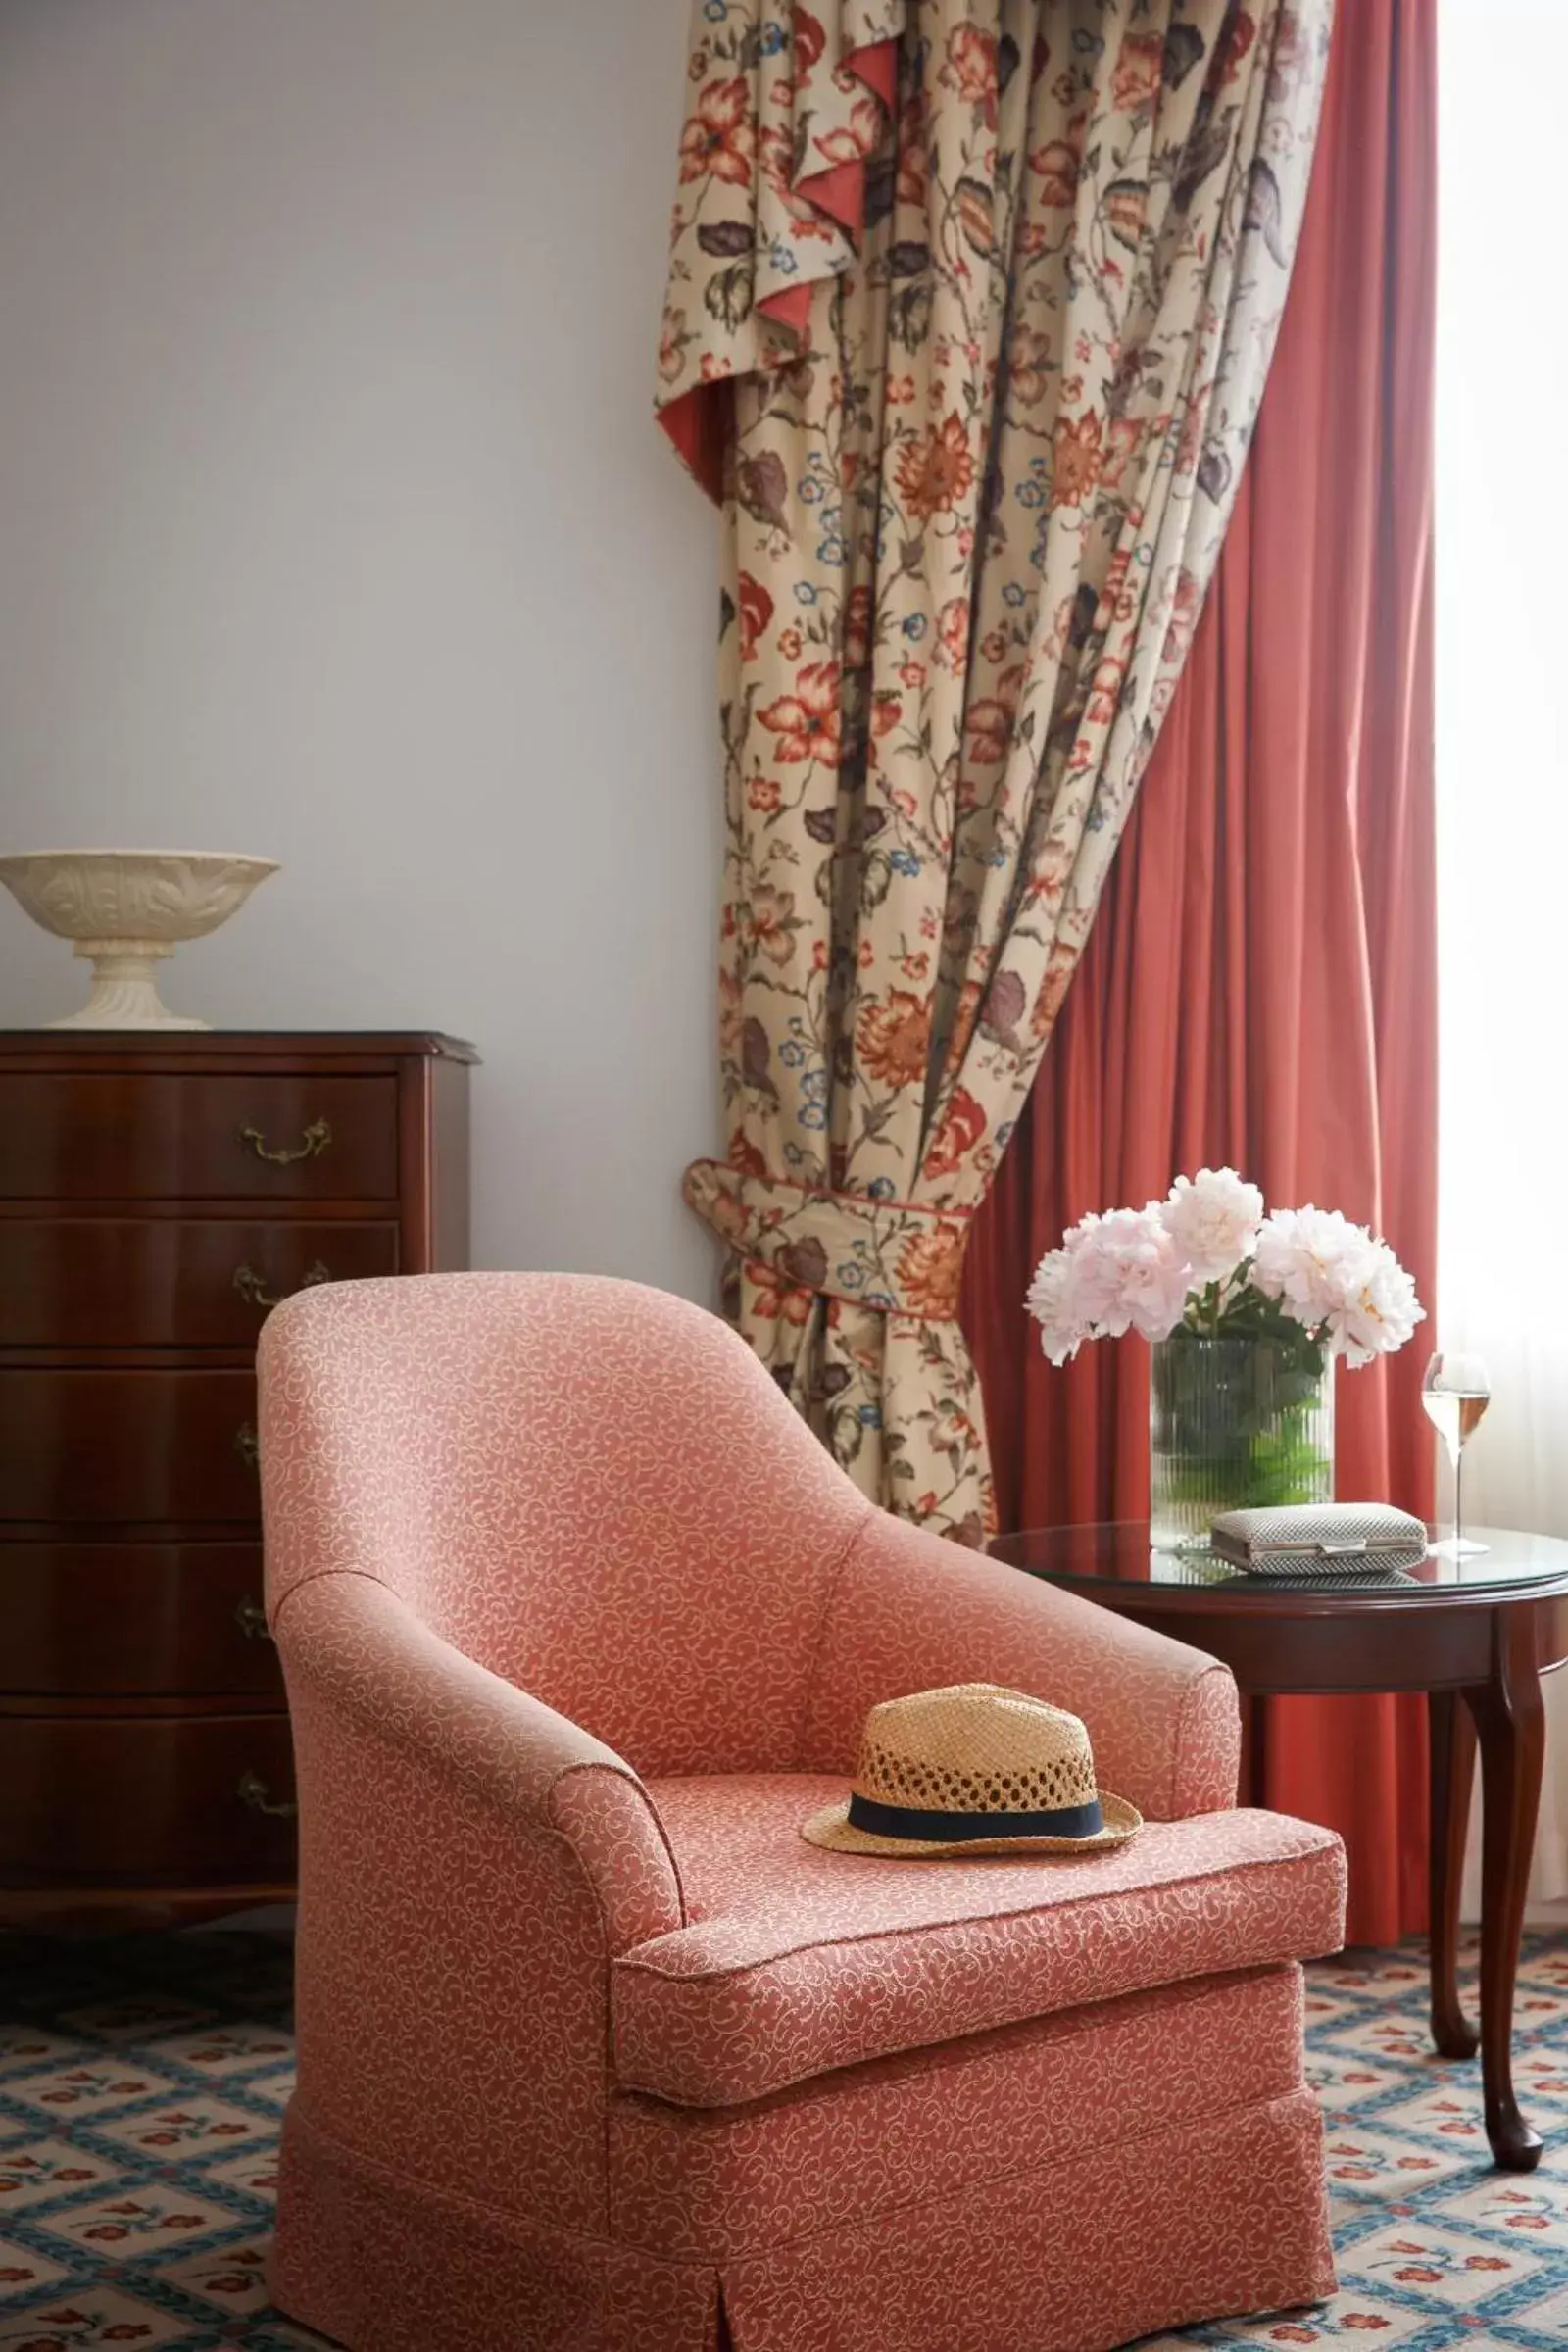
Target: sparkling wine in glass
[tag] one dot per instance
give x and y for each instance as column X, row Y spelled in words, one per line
column 1455, row 1394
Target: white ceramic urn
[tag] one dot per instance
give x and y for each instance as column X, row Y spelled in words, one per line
column 126, row 911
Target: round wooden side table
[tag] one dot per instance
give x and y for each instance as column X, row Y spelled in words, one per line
column 1475, row 1634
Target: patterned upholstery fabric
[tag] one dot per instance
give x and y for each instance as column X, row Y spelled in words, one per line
column 910, row 1613
column 814, row 1960
column 718, row 2181
column 579, row 1623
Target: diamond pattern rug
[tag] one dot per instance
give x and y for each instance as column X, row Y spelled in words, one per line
column 141, row 2084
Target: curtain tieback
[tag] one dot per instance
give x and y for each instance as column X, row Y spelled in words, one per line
column 890, row 1255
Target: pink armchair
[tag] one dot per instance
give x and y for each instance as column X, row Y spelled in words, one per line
column 596, row 2053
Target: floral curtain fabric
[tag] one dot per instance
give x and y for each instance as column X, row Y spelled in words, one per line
column 969, row 311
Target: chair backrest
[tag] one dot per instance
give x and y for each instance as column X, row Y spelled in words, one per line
column 589, row 1487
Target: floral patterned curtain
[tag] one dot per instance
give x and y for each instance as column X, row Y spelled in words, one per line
column 970, row 308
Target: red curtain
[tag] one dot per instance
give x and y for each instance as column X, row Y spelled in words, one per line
column 1259, row 987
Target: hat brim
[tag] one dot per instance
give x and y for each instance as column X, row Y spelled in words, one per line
column 833, row 1830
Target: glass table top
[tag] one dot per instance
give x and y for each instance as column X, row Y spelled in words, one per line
column 1119, row 1552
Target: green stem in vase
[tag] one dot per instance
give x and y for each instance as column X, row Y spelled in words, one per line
column 1242, row 1416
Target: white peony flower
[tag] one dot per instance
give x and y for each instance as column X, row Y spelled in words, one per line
column 1050, row 1302
column 1213, row 1219
column 1335, row 1277
column 1309, row 1260
column 1297, row 1259
column 1379, row 1312
column 1112, row 1274
column 1136, row 1269
column 1126, row 1273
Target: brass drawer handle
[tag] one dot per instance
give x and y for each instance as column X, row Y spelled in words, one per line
column 247, row 1444
column 254, row 1793
column 253, row 1286
column 312, row 1144
column 251, row 1618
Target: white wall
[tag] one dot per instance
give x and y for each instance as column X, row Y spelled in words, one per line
column 334, row 526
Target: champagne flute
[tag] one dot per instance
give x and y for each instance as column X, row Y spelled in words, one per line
column 1455, row 1394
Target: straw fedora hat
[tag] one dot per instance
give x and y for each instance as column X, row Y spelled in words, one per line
column 973, row 1770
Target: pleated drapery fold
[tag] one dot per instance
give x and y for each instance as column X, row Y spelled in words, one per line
column 1260, row 986
column 971, row 303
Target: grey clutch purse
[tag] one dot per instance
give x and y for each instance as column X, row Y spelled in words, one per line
column 1319, row 1539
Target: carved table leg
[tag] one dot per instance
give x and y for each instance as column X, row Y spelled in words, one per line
column 1512, row 1725
column 1453, row 1740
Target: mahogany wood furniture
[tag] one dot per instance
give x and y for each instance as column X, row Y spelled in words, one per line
column 158, row 1194
column 1476, row 1635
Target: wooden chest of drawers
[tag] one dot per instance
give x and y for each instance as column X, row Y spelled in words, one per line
column 158, row 1194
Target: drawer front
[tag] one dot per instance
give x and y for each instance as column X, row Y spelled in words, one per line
column 80, row 1448
column 118, row 1282
column 158, row 1136
column 136, row 1621
column 149, row 1802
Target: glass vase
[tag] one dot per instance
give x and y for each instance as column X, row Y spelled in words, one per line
column 1235, row 1424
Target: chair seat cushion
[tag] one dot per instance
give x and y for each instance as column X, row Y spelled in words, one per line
column 794, row 1961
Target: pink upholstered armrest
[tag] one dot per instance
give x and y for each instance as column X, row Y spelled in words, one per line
column 469, row 1864
column 910, row 1612
column 374, row 1667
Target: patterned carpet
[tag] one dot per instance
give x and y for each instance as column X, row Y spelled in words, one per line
column 1433, row 2247
column 141, row 2084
